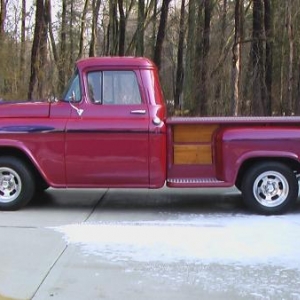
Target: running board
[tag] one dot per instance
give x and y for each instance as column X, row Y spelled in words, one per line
column 196, row 182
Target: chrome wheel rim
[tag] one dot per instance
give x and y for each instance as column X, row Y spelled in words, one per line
column 271, row 189
column 10, row 185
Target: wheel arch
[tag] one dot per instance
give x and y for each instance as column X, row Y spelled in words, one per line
column 21, row 155
column 290, row 162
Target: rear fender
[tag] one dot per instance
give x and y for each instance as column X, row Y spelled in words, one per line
column 235, row 146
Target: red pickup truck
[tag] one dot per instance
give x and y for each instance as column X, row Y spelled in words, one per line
column 110, row 130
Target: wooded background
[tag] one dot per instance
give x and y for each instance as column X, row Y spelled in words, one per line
column 215, row 57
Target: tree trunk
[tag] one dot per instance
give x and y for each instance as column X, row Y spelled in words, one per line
column 297, row 106
column 189, row 78
column 23, row 48
column 149, row 18
column 154, row 29
column 290, row 106
column 206, row 49
column 96, row 8
column 52, row 39
column 257, row 59
column 219, row 100
column 61, row 63
column 202, row 98
column 161, row 32
column 39, row 48
column 197, row 87
column 180, row 71
column 140, row 29
column 2, row 17
column 122, row 30
column 35, row 47
column 269, row 55
column 42, row 74
column 112, row 29
column 72, row 39
column 82, row 29
column 236, row 58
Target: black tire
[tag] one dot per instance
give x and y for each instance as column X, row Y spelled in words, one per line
column 17, row 185
column 270, row 188
column 41, row 185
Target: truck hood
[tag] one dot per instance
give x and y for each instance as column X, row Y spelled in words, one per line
column 24, row 109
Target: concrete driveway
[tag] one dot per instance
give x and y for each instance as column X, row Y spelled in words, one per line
column 142, row 244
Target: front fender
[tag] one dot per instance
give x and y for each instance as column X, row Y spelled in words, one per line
column 15, row 147
column 46, row 157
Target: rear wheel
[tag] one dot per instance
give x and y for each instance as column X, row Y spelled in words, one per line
column 17, row 184
column 270, row 188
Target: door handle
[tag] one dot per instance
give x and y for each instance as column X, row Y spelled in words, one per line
column 138, row 112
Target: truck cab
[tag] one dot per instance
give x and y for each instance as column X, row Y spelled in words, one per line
column 116, row 134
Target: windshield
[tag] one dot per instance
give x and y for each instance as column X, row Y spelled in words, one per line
column 73, row 91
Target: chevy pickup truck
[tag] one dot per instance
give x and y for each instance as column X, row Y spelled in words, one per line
column 110, row 130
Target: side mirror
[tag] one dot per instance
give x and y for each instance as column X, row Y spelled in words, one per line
column 73, row 99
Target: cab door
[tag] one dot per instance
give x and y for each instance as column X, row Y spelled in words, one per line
column 107, row 138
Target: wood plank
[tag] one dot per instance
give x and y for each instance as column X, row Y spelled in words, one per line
column 192, row 154
column 193, row 133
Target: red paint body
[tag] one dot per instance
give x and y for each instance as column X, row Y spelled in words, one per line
column 132, row 145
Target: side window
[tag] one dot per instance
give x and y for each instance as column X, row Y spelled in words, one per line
column 113, row 88
column 120, row 87
column 73, row 91
column 94, row 86
column 108, row 88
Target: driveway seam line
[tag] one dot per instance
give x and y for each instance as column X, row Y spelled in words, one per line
column 96, row 205
column 49, row 271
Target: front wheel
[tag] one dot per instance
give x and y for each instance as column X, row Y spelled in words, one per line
column 270, row 188
column 16, row 183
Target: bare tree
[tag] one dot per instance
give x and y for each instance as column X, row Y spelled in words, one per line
column 2, row 16
column 122, row 30
column 95, row 8
column 154, row 27
column 161, row 32
column 39, row 49
column 219, row 100
column 82, row 28
column 201, row 57
column 23, row 46
column 289, row 108
column 52, row 39
column 180, row 71
column 258, row 100
column 72, row 38
column 269, row 54
column 297, row 106
column 236, row 57
column 140, row 29
column 112, row 29
column 203, row 97
column 61, row 61
column 189, row 79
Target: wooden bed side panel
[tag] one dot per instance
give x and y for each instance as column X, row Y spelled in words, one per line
column 192, row 144
column 192, row 154
column 193, row 133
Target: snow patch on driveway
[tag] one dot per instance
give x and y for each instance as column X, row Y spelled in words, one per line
column 204, row 239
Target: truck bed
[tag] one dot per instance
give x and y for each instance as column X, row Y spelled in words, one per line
column 195, row 146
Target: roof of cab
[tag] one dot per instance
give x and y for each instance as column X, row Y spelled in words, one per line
column 115, row 61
